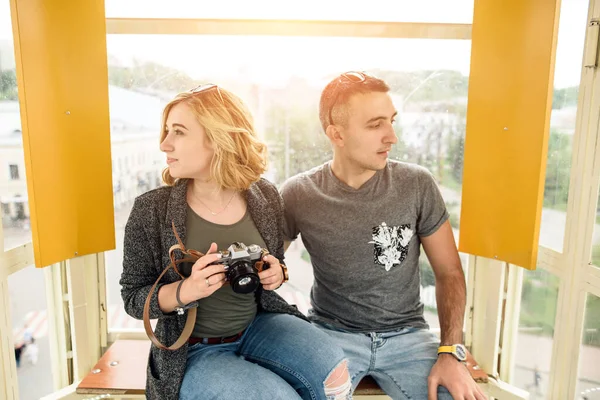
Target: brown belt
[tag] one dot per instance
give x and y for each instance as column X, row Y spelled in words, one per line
column 216, row 340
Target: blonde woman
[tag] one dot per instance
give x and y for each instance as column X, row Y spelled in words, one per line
column 246, row 343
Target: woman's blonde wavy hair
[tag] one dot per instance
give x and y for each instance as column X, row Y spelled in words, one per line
column 240, row 157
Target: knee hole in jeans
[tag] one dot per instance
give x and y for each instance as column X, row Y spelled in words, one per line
column 338, row 385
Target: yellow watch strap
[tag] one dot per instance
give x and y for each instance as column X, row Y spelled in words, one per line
column 447, row 349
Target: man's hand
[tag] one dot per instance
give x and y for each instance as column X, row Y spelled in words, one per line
column 454, row 376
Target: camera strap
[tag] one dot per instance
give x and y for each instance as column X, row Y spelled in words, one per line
column 192, row 256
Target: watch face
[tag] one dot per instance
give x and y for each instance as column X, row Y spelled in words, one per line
column 461, row 352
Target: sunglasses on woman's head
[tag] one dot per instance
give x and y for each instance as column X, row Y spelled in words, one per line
column 206, row 87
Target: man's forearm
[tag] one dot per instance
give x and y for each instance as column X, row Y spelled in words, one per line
column 451, row 298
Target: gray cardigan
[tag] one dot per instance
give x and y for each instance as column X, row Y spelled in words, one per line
column 148, row 237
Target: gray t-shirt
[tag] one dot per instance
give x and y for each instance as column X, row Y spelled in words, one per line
column 364, row 243
column 225, row 312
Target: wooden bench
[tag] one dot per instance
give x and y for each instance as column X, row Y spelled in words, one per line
column 122, row 371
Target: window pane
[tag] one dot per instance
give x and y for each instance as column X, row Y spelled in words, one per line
column 569, row 53
column 428, row 85
column 595, row 256
column 536, row 330
column 14, row 209
column 456, row 11
column 588, row 377
column 30, row 332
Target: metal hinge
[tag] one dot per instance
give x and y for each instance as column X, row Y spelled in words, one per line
column 591, row 44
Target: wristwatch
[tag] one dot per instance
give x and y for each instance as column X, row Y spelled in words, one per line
column 286, row 277
column 457, row 350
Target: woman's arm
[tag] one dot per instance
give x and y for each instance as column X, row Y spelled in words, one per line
column 139, row 266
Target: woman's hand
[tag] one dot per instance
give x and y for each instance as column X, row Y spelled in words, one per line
column 272, row 277
column 204, row 279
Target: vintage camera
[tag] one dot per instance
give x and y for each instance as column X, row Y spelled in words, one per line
column 242, row 265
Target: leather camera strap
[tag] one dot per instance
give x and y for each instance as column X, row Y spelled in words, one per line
column 193, row 256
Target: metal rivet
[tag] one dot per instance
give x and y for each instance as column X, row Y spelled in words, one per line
column 96, row 371
column 496, row 257
column 76, row 253
column 506, row 128
column 68, row 113
column 114, row 363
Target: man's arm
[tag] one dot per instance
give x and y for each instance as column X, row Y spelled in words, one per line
column 450, row 288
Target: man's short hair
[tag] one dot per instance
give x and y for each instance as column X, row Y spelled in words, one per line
column 337, row 93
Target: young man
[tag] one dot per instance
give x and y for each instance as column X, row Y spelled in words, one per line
column 362, row 220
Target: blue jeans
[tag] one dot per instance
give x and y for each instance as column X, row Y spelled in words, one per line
column 399, row 361
column 279, row 356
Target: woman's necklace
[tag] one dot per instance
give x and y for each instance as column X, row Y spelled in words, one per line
column 211, row 211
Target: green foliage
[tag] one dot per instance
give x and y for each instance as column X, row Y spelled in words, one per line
column 455, row 156
column 538, row 302
column 565, row 97
column 305, row 256
column 432, row 85
column 596, row 254
column 591, row 324
column 558, row 170
column 427, row 276
column 8, row 85
column 454, row 220
column 308, row 145
column 150, row 76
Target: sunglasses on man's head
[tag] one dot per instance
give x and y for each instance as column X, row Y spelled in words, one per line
column 206, row 87
column 346, row 77
column 353, row 76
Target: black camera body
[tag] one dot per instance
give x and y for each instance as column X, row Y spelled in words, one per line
column 242, row 265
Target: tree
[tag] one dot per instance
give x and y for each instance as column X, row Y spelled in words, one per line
column 150, row 76
column 295, row 130
column 565, row 97
column 558, row 170
column 8, row 85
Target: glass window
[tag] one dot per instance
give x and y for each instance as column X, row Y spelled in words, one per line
column 280, row 81
column 588, row 377
column 14, row 172
column 13, row 186
column 567, row 74
column 595, row 256
column 30, row 332
column 456, row 11
column 539, row 296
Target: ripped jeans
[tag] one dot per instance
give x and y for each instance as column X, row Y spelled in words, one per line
column 279, row 356
column 399, row 361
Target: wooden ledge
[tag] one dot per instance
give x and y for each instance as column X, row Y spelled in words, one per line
column 122, row 370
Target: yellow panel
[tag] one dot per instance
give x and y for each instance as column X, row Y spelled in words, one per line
column 62, row 75
column 508, row 117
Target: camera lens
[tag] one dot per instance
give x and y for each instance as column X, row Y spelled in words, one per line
column 243, row 277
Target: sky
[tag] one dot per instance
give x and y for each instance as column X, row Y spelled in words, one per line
column 272, row 60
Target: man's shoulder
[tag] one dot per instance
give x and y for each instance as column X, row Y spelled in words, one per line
column 306, row 178
column 407, row 170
